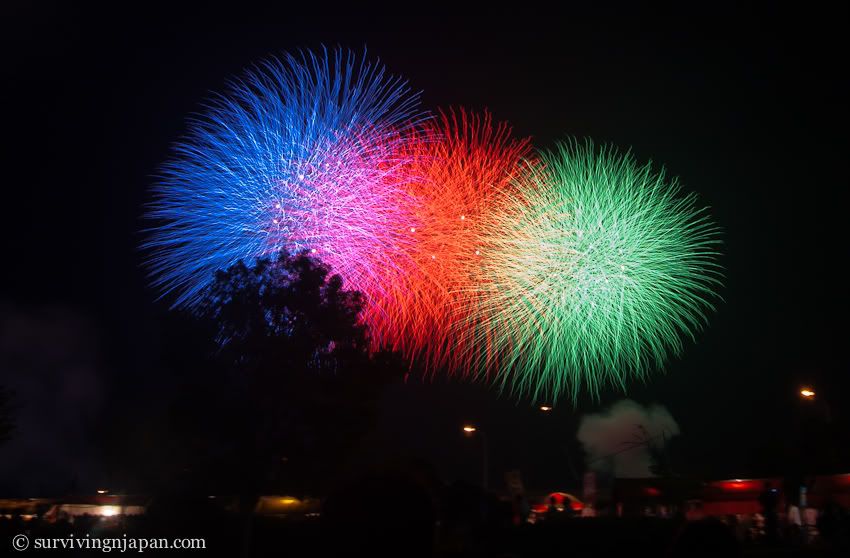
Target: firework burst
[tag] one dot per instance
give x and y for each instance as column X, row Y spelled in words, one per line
column 461, row 168
column 302, row 153
column 594, row 273
column 544, row 274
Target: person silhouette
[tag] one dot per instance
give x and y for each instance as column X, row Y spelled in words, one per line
column 769, row 500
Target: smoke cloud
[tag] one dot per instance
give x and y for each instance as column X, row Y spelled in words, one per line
column 617, row 441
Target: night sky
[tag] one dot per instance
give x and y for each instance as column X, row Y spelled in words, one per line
column 747, row 106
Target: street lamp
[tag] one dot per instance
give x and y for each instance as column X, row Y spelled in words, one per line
column 470, row 430
column 545, row 408
column 807, row 452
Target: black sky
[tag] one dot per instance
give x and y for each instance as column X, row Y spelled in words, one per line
column 748, row 106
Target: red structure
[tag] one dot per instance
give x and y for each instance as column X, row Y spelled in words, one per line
column 725, row 497
column 824, row 488
column 735, row 496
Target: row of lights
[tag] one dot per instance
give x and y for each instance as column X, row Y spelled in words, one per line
column 806, row 393
column 471, row 429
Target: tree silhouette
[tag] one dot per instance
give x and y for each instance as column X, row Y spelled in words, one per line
column 292, row 385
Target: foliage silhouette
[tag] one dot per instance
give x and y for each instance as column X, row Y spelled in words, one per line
column 291, row 386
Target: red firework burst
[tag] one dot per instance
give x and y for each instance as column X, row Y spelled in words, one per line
column 463, row 168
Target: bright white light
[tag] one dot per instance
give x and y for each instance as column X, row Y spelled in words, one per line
column 109, row 511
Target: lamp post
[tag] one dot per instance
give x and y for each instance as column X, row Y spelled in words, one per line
column 812, row 415
column 469, row 431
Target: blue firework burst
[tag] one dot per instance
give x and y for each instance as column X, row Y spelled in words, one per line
column 300, row 153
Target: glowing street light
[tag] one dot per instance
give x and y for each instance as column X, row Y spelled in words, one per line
column 545, row 408
column 469, row 431
column 807, row 393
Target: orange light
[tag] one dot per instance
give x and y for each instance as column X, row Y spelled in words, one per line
column 545, row 408
column 807, row 393
column 469, row 429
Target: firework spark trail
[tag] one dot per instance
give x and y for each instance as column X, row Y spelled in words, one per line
column 302, row 153
column 461, row 169
column 593, row 274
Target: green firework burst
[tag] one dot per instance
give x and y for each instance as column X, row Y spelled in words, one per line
column 595, row 274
